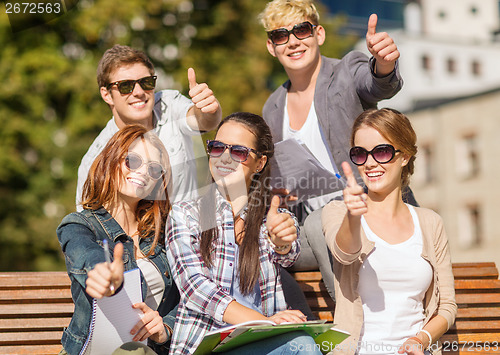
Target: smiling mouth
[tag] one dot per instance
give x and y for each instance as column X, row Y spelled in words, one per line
column 137, row 182
column 224, row 171
column 139, row 104
column 296, row 54
column 374, row 175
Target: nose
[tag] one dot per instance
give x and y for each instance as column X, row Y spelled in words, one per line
column 370, row 161
column 138, row 90
column 293, row 41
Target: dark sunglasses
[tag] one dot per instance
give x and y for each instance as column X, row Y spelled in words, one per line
column 238, row 153
column 382, row 153
column 300, row 31
column 127, row 86
column 134, row 161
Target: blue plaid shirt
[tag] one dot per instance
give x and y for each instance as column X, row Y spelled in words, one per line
column 205, row 292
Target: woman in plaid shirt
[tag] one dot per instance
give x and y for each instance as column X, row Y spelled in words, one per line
column 224, row 248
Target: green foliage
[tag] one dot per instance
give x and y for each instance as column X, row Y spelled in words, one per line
column 50, row 108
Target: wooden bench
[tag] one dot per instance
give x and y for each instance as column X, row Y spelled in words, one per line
column 36, row 306
column 34, row 309
column 477, row 327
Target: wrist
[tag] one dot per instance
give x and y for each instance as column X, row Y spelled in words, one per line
column 426, row 338
column 280, row 249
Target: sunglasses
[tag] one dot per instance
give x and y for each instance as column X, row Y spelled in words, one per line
column 382, row 153
column 300, row 31
column 134, row 161
column 238, row 153
column 127, row 86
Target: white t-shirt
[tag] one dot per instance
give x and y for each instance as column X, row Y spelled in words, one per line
column 392, row 284
column 311, row 135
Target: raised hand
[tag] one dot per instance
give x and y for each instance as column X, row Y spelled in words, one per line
column 280, row 226
column 201, row 95
column 354, row 195
column 150, row 325
column 103, row 275
column 382, row 47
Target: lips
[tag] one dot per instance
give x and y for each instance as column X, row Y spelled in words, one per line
column 138, row 104
column 223, row 171
column 135, row 181
column 374, row 175
column 296, row 54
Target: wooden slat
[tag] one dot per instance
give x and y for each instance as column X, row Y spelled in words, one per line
column 52, row 279
column 12, row 338
column 486, row 312
column 31, row 349
column 478, row 325
column 61, row 309
column 471, row 337
column 478, row 298
column 476, row 273
column 477, row 265
column 34, row 324
column 469, row 286
column 31, row 296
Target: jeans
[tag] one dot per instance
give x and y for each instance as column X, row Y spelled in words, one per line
column 293, row 343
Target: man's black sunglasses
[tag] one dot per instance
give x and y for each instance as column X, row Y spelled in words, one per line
column 300, row 31
column 127, row 86
column 382, row 153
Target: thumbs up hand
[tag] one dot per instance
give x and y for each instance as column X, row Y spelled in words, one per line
column 354, row 195
column 201, row 95
column 281, row 227
column 104, row 275
column 382, row 47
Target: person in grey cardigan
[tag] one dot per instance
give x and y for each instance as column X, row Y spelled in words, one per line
column 319, row 103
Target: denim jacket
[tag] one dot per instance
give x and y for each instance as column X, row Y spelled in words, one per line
column 80, row 235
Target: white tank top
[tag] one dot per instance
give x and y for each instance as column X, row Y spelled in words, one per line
column 392, row 285
column 154, row 280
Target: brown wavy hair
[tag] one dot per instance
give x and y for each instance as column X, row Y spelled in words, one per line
column 397, row 129
column 259, row 199
column 101, row 186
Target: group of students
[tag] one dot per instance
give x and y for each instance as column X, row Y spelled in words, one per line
column 215, row 256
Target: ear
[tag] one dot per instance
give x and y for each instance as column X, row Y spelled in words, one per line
column 106, row 96
column 271, row 48
column 406, row 160
column 320, row 34
column 262, row 163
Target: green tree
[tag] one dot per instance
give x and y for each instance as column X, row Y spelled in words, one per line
column 50, row 108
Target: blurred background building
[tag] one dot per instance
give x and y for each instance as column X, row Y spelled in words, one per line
column 449, row 62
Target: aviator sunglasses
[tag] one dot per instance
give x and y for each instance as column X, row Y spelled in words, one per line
column 300, row 31
column 134, row 161
column 238, row 153
column 382, row 153
column 127, row 86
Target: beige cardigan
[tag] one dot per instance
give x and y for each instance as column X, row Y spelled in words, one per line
column 439, row 298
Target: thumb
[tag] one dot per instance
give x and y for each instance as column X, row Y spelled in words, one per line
column 273, row 209
column 118, row 254
column 191, row 78
column 349, row 175
column 372, row 25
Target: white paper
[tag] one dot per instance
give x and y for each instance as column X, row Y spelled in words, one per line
column 293, row 167
column 115, row 317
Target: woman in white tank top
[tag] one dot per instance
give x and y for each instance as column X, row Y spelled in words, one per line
column 379, row 243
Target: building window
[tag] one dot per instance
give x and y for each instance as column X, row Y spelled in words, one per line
column 424, row 165
column 451, row 65
column 426, row 62
column 467, row 157
column 476, row 68
column 469, row 226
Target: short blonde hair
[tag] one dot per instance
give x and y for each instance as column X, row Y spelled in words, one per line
column 280, row 13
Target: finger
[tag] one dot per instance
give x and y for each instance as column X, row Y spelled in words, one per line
column 349, row 175
column 191, row 78
column 372, row 25
column 285, row 223
column 118, row 254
